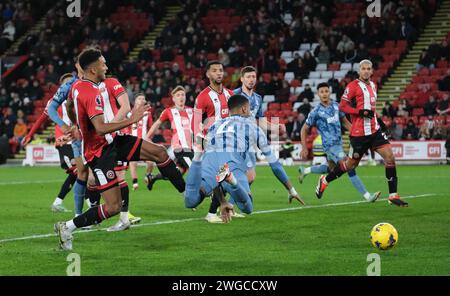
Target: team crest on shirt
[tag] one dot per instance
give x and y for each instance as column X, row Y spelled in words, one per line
column 110, row 174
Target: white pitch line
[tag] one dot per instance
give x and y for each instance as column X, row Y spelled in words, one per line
column 30, row 182
column 198, row 219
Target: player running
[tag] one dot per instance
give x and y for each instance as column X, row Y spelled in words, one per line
column 327, row 118
column 224, row 162
column 103, row 146
column 65, row 151
column 365, row 133
column 181, row 121
column 212, row 105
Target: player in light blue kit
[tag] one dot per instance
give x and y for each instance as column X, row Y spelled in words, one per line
column 327, row 118
column 224, row 162
column 79, row 188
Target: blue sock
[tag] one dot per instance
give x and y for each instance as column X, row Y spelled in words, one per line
column 356, row 181
column 79, row 190
column 319, row 169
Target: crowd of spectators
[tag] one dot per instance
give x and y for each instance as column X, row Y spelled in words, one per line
column 264, row 30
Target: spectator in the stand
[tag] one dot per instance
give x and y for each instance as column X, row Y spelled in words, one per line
column 444, row 50
column 410, row 132
column 224, row 58
column 274, row 85
column 271, row 64
column 4, row 98
column 289, row 125
column 305, row 108
column 345, row 44
column 20, row 130
column 145, row 54
column 404, row 108
column 7, row 36
column 444, row 84
column 407, row 31
column 292, row 41
column 362, row 53
column 434, row 51
column 309, row 61
column 443, row 106
column 261, row 86
column 167, row 54
column 297, row 127
column 50, row 75
column 396, row 132
column 439, row 132
column 389, row 110
column 36, row 91
column 424, row 132
column 430, row 106
column 307, row 93
column 282, row 95
column 425, row 61
column 350, row 55
column 323, row 54
column 300, row 70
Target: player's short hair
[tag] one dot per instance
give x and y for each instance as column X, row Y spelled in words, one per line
column 366, row 61
column 177, row 89
column 323, row 84
column 236, row 101
column 247, row 69
column 65, row 76
column 88, row 56
column 213, row 62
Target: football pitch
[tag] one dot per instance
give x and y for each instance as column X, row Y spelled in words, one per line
column 327, row 237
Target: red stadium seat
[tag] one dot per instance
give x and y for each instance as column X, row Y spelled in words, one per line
column 295, row 83
column 417, row 112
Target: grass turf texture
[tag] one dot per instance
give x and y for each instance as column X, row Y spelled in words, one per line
column 319, row 240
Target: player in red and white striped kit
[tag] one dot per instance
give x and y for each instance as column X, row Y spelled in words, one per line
column 211, row 102
column 359, row 101
column 140, row 130
column 181, row 122
column 116, row 107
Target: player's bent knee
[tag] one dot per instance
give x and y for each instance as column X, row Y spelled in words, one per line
column 191, row 201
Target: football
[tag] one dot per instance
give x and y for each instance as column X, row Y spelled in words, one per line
column 384, row 236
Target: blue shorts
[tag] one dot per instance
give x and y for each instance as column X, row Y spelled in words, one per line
column 76, row 147
column 335, row 153
column 251, row 160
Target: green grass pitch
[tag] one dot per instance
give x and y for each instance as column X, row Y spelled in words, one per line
column 328, row 237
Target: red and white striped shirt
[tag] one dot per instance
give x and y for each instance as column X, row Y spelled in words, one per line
column 213, row 105
column 141, row 128
column 365, row 97
column 181, row 125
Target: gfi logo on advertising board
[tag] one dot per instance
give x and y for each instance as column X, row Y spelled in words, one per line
column 434, row 150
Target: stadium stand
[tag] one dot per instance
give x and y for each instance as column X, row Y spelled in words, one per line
column 294, row 47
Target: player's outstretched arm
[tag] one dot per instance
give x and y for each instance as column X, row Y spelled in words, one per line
column 103, row 128
column 42, row 119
